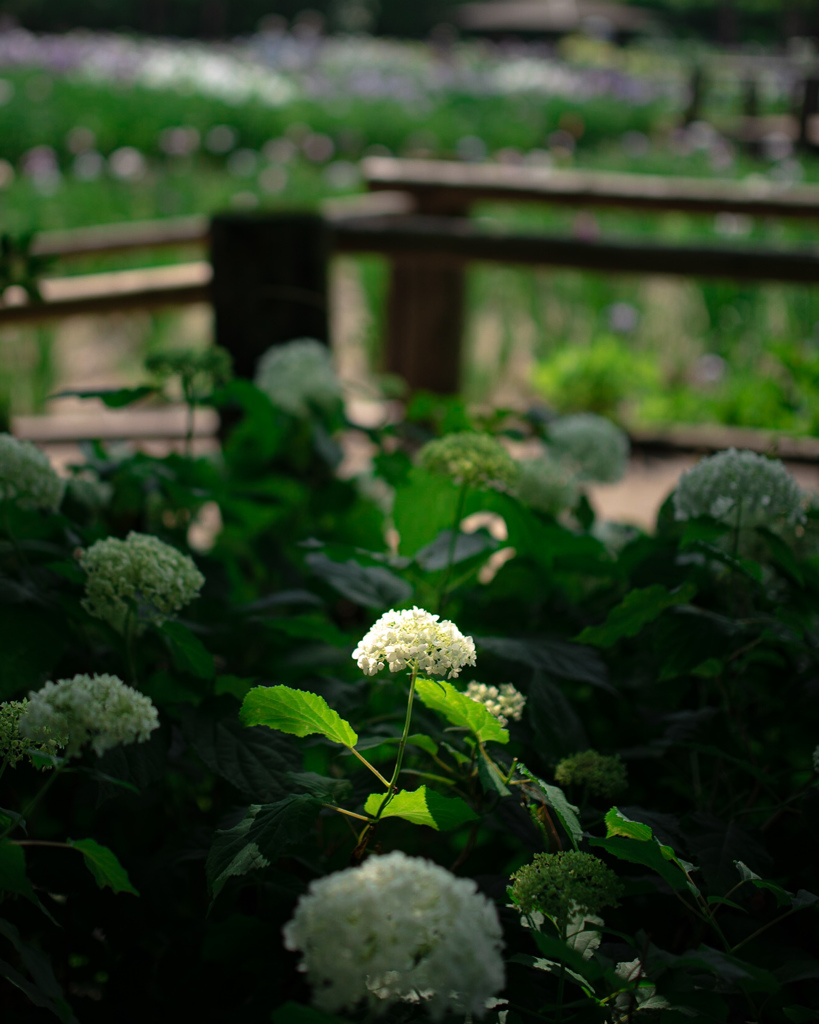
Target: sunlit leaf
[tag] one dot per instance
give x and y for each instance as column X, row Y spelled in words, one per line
column 297, row 712
column 461, row 710
column 423, row 806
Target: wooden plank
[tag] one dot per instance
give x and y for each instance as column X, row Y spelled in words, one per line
column 114, row 292
column 438, row 183
column 154, row 423
column 132, row 236
column 444, row 241
column 707, row 438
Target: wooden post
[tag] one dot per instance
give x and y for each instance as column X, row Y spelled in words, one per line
column 750, row 119
column 269, row 282
column 696, row 89
column 425, row 316
column 810, row 107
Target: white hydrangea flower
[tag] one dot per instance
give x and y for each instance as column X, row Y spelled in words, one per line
column 547, row 485
column 393, row 927
column 504, row 703
column 298, row 376
column 415, row 638
column 99, row 710
column 593, row 445
column 27, row 476
column 140, row 575
column 740, row 488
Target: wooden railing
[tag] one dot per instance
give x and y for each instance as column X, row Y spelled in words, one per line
column 267, row 273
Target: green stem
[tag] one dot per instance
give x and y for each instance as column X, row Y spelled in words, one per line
column 453, row 541
column 372, row 768
column 130, row 656
column 27, row 811
column 399, row 760
column 764, row 928
column 350, row 814
column 191, row 404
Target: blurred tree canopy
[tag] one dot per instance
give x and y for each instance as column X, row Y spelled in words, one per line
column 221, row 18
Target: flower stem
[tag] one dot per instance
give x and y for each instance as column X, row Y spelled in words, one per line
column 453, row 541
column 27, row 811
column 399, row 760
column 372, row 768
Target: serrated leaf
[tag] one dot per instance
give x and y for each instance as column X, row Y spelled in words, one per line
column 554, row 796
column 103, row 865
column 255, row 760
column 423, row 806
column 371, row 586
column 637, row 609
column 187, row 650
column 261, row 837
column 556, row 657
column 297, row 712
column 634, row 841
column 321, row 787
column 461, row 710
column 802, row 899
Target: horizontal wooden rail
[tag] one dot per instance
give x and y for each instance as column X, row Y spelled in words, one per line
column 449, row 240
column 118, row 291
column 130, row 237
column 445, row 186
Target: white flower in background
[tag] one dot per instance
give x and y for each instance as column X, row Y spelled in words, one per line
column 140, row 576
column 394, row 927
column 415, row 638
column 99, row 710
column 298, row 376
column 13, row 746
column 546, row 485
column 740, row 488
column 593, row 445
column 27, row 476
column 504, row 703
column 470, row 459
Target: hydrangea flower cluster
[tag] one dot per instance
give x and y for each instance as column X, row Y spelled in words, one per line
column 27, row 477
column 504, row 703
column 602, row 775
column 299, row 376
column 471, row 460
column 546, row 485
column 596, row 447
column 140, row 575
column 415, row 638
column 99, row 710
column 560, row 884
column 13, row 746
column 741, row 489
column 395, row 928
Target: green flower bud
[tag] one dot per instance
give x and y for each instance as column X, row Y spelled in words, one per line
column 558, row 884
column 604, row 776
column 470, row 459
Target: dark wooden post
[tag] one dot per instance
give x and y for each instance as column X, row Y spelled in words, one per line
column 696, row 90
column 810, row 106
column 750, row 119
column 425, row 315
column 269, row 282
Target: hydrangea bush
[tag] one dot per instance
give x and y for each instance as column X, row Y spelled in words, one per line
column 295, row 803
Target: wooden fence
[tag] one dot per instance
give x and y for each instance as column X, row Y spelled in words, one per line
column 267, row 273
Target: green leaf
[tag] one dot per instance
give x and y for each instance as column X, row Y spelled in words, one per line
column 13, row 877
column 803, row 898
column 187, row 650
column 297, row 712
column 782, row 555
column 435, row 556
column 634, row 841
column 237, row 686
column 372, row 586
column 637, row 609
column 423, row 507
column 556, row 949
column 799, row 1014
column 103, row 865
column 554, row 796
column 261, row 837
column 43, row 990
column 555, row 657
column 489, row 776
column 702, row 529
column 423, row 806
column 255, row 760
column 461, row 710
